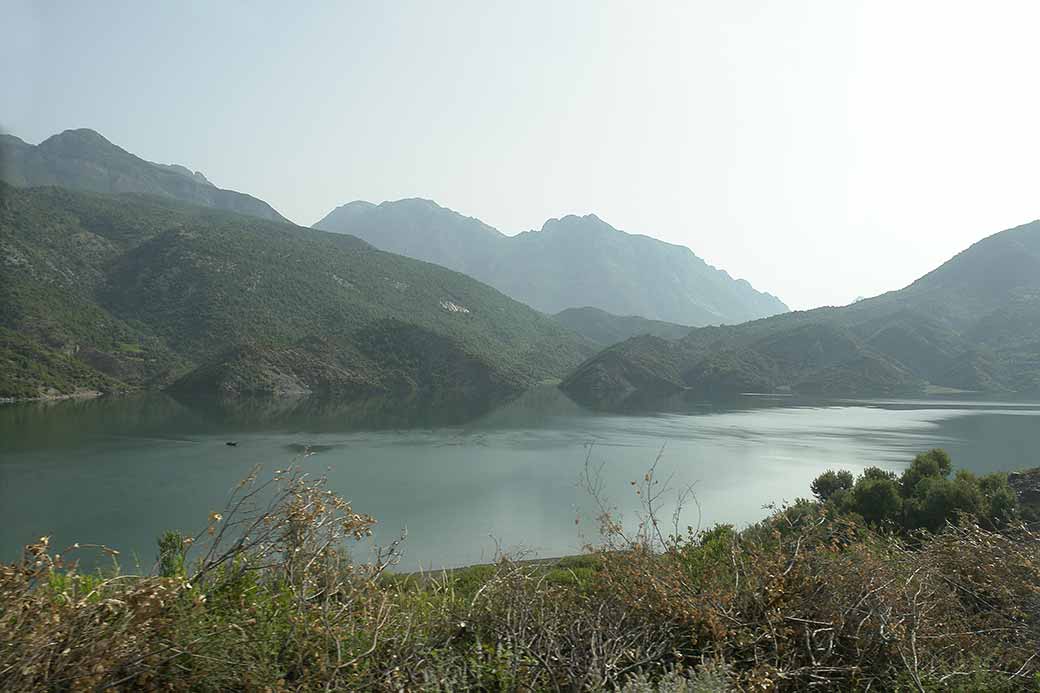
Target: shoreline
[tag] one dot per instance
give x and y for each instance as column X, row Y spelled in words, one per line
column 82, row 394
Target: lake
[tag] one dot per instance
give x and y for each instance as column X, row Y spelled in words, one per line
column 120, row 471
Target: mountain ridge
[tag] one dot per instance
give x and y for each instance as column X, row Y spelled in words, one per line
column 973, row 323
column 606, row 329
column 83, row 159
column 571, row 261
column 140, row 291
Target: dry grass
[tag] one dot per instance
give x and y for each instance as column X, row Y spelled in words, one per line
column 266, row 598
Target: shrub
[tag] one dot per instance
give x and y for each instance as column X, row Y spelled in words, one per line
column 934, row 501
column 934, row 464
column 878, row 474
column 173, row 547
column 706, row 680
column 876, row 500
column 825, row 486
column 265, row 597
column 923, row 497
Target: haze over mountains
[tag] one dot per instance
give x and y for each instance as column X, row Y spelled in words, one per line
column 134, row 274
column 84, row 160
column 102, row 292
column 571, row 262
column 971, row 324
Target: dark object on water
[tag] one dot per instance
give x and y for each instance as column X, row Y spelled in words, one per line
column 232, row 443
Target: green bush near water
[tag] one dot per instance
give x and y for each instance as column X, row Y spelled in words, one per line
column 923, row 497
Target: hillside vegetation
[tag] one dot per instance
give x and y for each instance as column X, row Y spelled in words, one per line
column 571, row 262
column 972, row 324
column 153, row 293
column 29, row 369
column 265, row 597
column 605, row 329
column 84, row 160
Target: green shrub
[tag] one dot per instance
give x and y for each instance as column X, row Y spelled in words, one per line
column 934, row 464
column 923, row 497
column 876, row 500
column 172, row 554
column 935, row 501
column 831, row 482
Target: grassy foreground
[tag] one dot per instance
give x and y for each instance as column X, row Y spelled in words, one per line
column 266, row 598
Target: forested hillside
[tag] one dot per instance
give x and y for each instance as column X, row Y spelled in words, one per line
column 972, row 324
column 605, row 329
column 151, row 292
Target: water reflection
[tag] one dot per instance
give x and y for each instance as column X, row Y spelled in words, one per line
column 34, row 425
column 120, row 471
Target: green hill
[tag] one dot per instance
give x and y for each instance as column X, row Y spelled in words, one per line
column 604, row 329
column 972, row 324
column 152, row 292
column 573, row 261
column 84, row 160
column 29, row 370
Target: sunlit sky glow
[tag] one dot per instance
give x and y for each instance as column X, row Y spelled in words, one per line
column 822, row 150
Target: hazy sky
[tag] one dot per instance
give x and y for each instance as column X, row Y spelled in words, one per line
column 821, row 150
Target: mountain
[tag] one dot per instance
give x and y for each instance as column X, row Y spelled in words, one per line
column 424, row 230
column 141, row 291
column 84, row 160
column 573, row 261
column 604, row 329
column 971, row 324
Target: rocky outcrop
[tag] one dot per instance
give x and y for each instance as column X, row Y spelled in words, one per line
column 1027, row 485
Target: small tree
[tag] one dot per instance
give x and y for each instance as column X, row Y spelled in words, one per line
column 934, row 464
column 877, row 474
column 1001, row 505
column 876, row 500
column 936, row 500
column 831, row 483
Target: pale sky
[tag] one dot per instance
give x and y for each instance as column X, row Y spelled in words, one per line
column 822, row 150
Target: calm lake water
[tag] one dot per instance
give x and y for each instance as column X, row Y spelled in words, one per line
column 121, row 471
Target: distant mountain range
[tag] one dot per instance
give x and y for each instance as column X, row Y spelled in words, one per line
column 570, row 262
column 130, row 274
column 971, row 324
column 84, row 160
column 603, row 329
column 105, row 292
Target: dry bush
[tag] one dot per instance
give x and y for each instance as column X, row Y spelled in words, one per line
column 271, row 596
column 63, row 631
column 807, row 598
column 571, row 641
column 267, row 598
